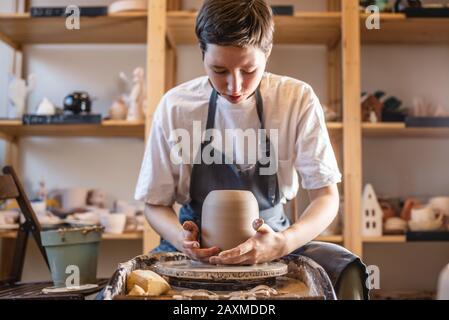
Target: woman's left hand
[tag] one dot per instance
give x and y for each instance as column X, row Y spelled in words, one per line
column 265, row 246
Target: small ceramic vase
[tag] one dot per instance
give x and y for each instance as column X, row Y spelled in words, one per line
column 227, row 218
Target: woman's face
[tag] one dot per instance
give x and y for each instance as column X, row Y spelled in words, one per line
column 234, row 72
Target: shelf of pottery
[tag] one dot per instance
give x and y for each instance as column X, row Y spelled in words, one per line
column 398, row 219
column 178, row 28
column 122, row 220
column 168, row 29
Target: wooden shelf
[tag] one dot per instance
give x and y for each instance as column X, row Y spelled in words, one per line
column 333, row 239
column 334, row 125
column 19, row 29
column 385, row 239
column 15, row 128
column 396, row 28
column 302, row 28
column 137, row 235
column 398, row 129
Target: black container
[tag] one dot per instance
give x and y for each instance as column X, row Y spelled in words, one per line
column 427, row 12
column 285, row 10
column 427, row 122
column 34, row 119
column 78, row 102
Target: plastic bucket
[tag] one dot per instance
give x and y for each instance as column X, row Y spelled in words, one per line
column 72, row 252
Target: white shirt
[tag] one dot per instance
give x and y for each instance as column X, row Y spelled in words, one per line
column 290, row 106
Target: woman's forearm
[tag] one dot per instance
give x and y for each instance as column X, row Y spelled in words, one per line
column 165, row 222
column 315, row 219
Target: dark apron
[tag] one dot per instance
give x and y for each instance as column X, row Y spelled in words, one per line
column 208, row 177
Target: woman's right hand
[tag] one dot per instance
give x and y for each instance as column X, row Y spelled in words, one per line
column 191, row 246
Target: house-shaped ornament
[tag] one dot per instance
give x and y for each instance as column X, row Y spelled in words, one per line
column 371, row 213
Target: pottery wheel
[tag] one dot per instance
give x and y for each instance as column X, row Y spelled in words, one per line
column 197, row 275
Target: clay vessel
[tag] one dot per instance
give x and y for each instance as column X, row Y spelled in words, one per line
column 227, row 218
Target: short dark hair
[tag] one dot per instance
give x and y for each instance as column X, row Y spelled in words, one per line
column 240, row 23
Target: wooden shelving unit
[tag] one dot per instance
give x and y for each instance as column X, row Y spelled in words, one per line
column 162, row 28
column 341, row 29
column 396, row 28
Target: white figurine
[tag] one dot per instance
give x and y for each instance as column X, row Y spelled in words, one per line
column 137, row 98
column 118, row 109
column 46, row 108
column 42, row 193
column 18, row 90
column 371, row 213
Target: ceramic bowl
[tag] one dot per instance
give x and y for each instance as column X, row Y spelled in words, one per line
column 431, row 225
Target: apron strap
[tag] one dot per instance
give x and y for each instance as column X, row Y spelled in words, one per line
column 259, row 106
column 212, row 109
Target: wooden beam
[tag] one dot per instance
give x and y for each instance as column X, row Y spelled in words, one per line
column 7, row 253
column 333, row 5
column 170, row 67
column 174, row 5
column 157, row 26
column 12, row 154
column 352, row 137
column 334, row 79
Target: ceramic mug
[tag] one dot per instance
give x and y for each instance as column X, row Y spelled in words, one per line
column 72, row 198
column 114, row 222
column 423, row 214
column 39, row 207
column 440, row 205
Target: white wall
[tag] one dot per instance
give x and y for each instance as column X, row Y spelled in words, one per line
column 392, row 165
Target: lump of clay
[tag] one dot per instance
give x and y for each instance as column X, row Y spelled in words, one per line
column 150, row 282
column 137, row 291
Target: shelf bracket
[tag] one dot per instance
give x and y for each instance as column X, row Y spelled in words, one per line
column 9, row 41
column 7, row 138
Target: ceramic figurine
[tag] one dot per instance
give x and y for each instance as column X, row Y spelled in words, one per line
column 118, row 110
column 371, row 213
column 137, row 97
column 371, row 108
column 42, row 193
column 96, row 198
column 409, row 204
column 46, row 108
column 18, row 90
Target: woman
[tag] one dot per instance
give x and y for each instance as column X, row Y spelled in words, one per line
column 236, row 38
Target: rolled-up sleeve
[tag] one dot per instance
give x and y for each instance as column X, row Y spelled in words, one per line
column 157, row 179
column 315, row 158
